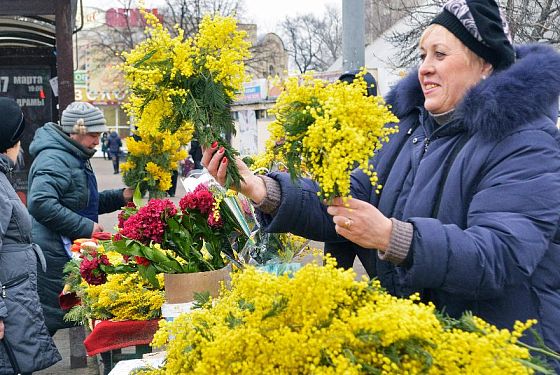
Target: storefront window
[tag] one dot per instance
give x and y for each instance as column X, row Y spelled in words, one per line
column 116, row 119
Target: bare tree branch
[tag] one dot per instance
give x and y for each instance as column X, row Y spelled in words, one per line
column 188, row 13
column 529, row 21
column 108, row 41
column 313, row 42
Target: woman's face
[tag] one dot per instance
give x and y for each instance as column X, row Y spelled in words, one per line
column 88, row 140
column 448, row 69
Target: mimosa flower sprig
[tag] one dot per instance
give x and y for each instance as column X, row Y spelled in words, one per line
column 320, row 320
column 327, row 129
column 180, row 88
column 108, row 287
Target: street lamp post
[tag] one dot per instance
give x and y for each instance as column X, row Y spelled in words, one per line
column 353, row 45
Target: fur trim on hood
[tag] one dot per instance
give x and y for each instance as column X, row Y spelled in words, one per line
column 517, row 95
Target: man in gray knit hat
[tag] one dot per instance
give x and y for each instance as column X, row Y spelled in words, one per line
column 63, row 197
column 83, row 114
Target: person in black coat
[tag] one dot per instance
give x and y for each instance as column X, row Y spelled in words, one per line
column 104, row 138
column 196, row 153
column 114, row 144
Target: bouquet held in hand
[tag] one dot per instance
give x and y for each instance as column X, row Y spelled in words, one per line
column 181, row 87
column 327, row 129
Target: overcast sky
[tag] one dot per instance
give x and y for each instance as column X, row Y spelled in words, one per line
column 267, row 14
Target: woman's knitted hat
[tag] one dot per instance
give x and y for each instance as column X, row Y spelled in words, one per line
column 12, row 123
column 482, row 27
column 82, row 118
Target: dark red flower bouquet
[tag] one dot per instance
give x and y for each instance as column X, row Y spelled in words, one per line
column 92, row 267
column 196, row 237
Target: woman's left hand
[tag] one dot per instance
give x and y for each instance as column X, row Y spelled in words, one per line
column 361, row 223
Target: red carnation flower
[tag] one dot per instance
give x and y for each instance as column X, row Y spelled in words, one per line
column 200, row 199
column 149, row 223
column 121, row 219
column 142, row 261
column 123, row 216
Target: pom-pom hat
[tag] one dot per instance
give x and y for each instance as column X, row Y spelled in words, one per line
column 81, row 118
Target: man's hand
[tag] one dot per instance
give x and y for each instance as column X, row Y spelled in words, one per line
column 128, row 193
column 96, row 228
column 1, row 329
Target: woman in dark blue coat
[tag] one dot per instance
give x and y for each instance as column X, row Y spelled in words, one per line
column 470, row 207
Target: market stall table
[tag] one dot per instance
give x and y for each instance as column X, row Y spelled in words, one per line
column 109, row 337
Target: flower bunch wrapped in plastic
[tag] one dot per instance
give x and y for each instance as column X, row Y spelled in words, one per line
column 322, row 321
column 180, row 86
column 327, row 129
column 197, row 236
column 275, row 252
column 108, row 288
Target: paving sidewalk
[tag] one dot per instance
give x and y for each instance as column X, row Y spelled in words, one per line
column 62, row 340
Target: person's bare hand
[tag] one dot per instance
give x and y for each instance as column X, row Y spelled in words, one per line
column 96, row 228
column 128, row 193
column 361, row 223
column 1, row 329
column 216, row 163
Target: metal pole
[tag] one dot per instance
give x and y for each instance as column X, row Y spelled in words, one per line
column 353, row 45
column 64, row 58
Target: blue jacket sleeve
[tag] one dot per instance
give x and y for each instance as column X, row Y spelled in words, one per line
column 302, row 212
column 511, row 221
column 110, row 200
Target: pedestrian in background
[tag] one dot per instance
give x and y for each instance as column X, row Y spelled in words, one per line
column 196, row 153
column 114, row 145
column 22, row 324
column 174, row 177
column 63, row 197
column 187, row 165
column 104, row 139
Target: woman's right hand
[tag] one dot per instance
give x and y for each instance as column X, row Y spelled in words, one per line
column 216, row 163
